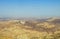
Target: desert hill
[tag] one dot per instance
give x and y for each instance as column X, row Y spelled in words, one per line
column 30, row 29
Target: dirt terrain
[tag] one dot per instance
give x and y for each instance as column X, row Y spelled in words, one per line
column 30, row 29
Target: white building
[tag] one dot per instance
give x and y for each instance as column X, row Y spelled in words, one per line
column 22, row 22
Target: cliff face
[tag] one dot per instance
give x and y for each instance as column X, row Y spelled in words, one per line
column 30, row 29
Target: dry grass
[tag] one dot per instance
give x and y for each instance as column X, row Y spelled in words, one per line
column 15, row 30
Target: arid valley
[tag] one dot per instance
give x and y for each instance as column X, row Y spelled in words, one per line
column 48, row 28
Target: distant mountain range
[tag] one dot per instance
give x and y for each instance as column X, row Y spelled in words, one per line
column 37, row 19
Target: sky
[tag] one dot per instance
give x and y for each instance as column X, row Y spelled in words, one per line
column 29, row 8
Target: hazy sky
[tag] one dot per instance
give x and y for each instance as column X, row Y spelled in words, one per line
column 29, row 8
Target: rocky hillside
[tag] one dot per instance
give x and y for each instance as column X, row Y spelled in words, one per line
column 30, row 29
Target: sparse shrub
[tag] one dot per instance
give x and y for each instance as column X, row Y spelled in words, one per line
column 34, row 38
column 57, row 36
